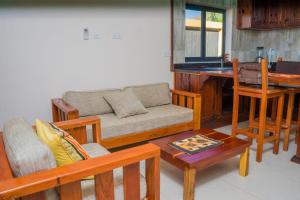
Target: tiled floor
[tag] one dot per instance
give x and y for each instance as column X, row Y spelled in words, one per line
column 276, row 178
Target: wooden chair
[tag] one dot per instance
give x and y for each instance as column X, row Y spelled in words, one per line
column 67, row 179
column 288, row 125
column 264, row 93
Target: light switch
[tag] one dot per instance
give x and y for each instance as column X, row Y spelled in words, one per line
column 86, row 35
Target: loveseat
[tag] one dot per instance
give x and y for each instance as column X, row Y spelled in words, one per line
column 28, row 168
column 168, row 112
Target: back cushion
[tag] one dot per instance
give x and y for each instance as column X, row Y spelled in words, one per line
column 25, row 152
column 89, row 102
column 152, row 94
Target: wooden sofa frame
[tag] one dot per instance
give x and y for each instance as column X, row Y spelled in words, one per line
column 67, row 178
column 61, row 111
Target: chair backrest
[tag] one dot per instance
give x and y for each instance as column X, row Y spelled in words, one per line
column 251, row 73
column 288, row 67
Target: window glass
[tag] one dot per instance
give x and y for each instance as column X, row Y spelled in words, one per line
column 214, row 34
column 192, row 33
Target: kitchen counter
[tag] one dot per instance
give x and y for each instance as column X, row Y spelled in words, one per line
column 279, row 78
column 217, row 73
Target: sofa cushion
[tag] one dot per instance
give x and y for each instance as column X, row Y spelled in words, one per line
column 95, row 150
column 64, row 147
column 152, row 94
column 26, row 153
column 89, row 102
column 125, row 104
column 88, row 186
column 157, row 117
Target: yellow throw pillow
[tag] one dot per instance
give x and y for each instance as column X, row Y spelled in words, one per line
column 64, row 147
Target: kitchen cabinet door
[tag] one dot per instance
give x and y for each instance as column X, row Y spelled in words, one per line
column 296, row 13
column 244, row 14
column 275, row 14
column 259, row 18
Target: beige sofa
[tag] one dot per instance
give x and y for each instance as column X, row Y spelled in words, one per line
column 169, row 112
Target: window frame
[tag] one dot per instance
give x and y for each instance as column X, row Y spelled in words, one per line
column 203, row 10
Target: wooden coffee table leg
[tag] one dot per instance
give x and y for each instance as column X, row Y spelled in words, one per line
column 189, row 183
column 244, row 163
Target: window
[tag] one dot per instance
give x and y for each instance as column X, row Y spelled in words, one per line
column 204, row 33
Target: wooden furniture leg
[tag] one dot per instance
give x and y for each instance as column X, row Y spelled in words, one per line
column 288, row 121
column 261, row 129
column 244, row 163
column 274, row 108
column 298, row 126
column 278, row 124
column 296, row 158
column 252, row 115
column 189, row 183
column 235, row 113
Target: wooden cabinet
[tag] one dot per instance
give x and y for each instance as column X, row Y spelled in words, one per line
column 259, row 13
column 296, row 13
column 268, row 14
column 209, row 87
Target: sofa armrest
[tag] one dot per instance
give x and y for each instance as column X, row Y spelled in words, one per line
column 62, row 111
column 189, row 100
column 185, row 93
column 67, row 178
column 77, row 128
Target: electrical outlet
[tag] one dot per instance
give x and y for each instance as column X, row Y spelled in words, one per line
column 97, row 36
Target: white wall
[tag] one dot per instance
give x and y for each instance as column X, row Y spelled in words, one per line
column 43, row 54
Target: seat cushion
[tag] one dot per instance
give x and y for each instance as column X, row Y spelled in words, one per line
column 89, row 102
column 157, row 117
column 88, row 186
column 152, row 94
column 95, row 150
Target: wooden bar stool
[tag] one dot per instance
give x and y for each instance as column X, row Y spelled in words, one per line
column 288, row 125
column 264, row 93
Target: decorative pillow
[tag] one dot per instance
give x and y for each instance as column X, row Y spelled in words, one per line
column 125, row 104
column 64, row 147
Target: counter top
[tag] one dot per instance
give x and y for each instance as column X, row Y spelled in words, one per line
column 279, row 78
column 218, row 73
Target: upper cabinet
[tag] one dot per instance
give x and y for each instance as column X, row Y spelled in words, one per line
column 268, row 14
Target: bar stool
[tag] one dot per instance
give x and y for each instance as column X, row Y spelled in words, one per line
column 264, row 93
column 287, row 124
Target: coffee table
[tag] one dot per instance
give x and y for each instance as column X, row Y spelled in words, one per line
column 189, row 164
